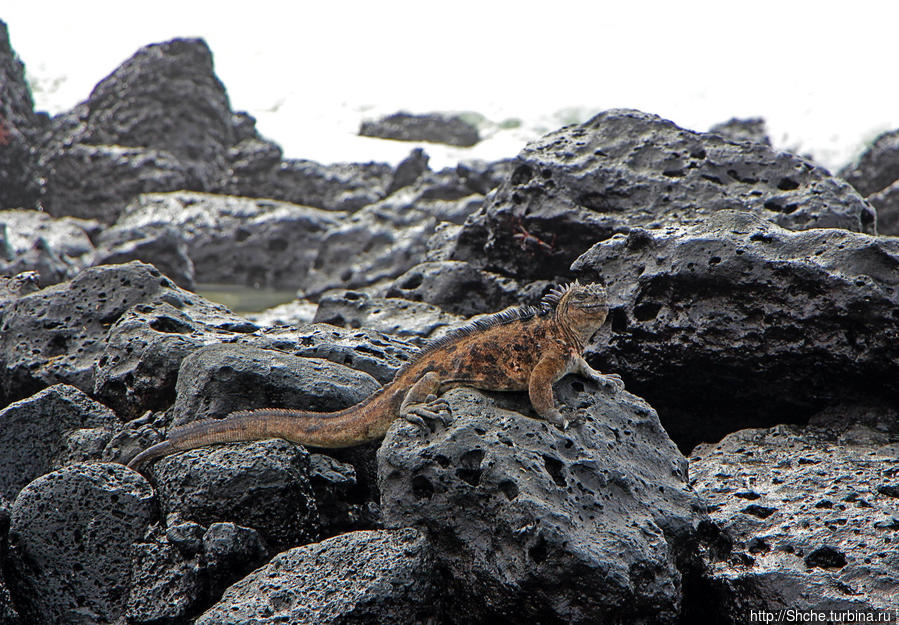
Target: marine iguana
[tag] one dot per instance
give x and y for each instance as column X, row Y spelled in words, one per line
column 526, row 348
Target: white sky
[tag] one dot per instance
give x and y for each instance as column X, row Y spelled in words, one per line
column 819, row 72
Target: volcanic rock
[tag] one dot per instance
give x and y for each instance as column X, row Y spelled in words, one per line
column 738, row 322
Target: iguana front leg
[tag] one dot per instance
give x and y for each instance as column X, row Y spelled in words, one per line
column 540, row 390
column 421, row 401
column 611, row 380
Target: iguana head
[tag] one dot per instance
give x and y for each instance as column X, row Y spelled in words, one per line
column 583, row 307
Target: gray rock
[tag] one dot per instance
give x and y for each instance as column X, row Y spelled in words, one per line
column 56, row 334
column 374, row 353
column 8, row 613
column 164, row 586
column 877, row 167
column 374, row 244
column 339, row 186
column 397, row 317
column 230, row 239
column 218, row 379
column 517, row 509
column 70, row 540
column 98, row 181
column 740, row 323
column 262, row 485
column 165, row 97
column 56, row 249
column 457, row 287
column 60, row 333
column 36, row 431
column 18, row 127
column 231, row 552
column 748, row 129
column 343, row 501
column 14, row 287
column 360, row 577
column 886, row 201
column 164, row 247
column 811, row 513
column 409, row 170
column 142, row 352
column 625, row 169
column 431, row 127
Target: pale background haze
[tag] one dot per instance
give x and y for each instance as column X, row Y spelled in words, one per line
column 820, row 73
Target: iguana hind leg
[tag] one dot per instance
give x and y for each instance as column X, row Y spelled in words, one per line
column 421, row 402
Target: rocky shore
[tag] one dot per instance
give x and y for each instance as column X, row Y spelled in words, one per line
column 752, row 464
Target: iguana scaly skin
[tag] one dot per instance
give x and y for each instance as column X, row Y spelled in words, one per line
column 528, row 348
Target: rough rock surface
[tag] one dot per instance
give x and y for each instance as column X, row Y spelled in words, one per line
column 886, row 201
column 56, row 249
column 36, row 430
column 740, row 323
column 432, row 127
column 394, row 316
column 218, row 379
column 517, row 509
column 164, row 247
column 60, row 333
column 234, row 240
column 361, row 577
column 458, row 287
column 374, row 353
column 18, row 128
column 749, row 129
column 97, row 181
column 877, row 167
column 340, row 186
column 70, row 541
column 165, row 97
column 625, row 169
column 262, row 485
column 812, row 513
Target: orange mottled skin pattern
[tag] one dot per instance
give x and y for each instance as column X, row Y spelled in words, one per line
column 525, row 349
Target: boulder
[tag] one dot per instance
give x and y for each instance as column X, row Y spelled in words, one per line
column 361, row 577
column 374, row 353
column 748, row 129
column 409, row 170
column 339, row 186
column 8, row 613
column 625, row 169
column 19, row 126
column 459, row 288
column 221, row 378
column 877, row 167
column 55, row 334
column 56, row 249
column 431, row 127
column 516, row 509
column 738, row 322
column 415, row 321
column 260, row 243
column 70, row 541
column 140, row 355
column 165, row 97
column 164, row 247
column 263, row 485
column 98, row 181
column 886, row 201
column 36, row 431
column 376, row 243
column 810, row 514
column 64, row 333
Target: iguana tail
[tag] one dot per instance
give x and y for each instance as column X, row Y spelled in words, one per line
column 355, row 425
